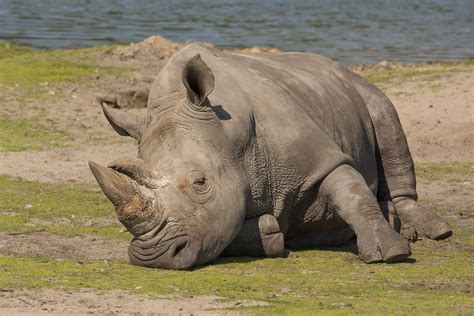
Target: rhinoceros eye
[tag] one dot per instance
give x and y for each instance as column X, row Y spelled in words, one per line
column 200, row 181
column 201, row 184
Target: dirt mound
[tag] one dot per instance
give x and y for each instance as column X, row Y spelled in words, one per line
column 153, row 46
column 161, row 48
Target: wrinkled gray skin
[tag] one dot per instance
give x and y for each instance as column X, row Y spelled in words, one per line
column 246, row 154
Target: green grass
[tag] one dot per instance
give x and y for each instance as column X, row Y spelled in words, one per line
column 27, row 206
column 439, row 171
column 384, row 75
column 49, row 201
column 469, row 61
column 11, row 50
column 26, row 68
column 21, row 135
column 27, row 72
column 379, row 75
column 465, row 236
column 22, row 223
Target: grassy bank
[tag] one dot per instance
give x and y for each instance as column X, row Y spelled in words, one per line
column 25, row 68
column 438, row 171
column 67, row 210
column 380, row 74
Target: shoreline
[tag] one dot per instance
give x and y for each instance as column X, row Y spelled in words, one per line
column 255, row 49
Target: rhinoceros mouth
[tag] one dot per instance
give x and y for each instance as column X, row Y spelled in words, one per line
column 173, row 247
column 170, row 248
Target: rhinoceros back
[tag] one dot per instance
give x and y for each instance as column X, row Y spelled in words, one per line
column 308, row 117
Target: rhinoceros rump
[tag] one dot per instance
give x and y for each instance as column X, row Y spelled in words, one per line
column 246, row 154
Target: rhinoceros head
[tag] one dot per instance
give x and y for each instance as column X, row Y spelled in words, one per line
column 183, row 198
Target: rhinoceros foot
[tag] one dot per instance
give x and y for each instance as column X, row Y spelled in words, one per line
column 426, row 223
column 383, row 245
column 408, row 231
column 259, row 237
column 272, row 238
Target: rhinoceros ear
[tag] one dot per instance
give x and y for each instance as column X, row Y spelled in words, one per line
column 198, row 79
column 126, row 123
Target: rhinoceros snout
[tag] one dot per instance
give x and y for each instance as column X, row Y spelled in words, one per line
column 126, row 187
column 179, row 253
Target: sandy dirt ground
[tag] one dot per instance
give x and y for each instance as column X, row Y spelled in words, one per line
column 59, row 247
column 437, row 116
column 83, row 302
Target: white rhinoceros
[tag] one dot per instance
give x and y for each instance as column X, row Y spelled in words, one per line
column 246, row 154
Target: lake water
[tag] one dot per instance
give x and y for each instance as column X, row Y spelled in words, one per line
column 348, row 31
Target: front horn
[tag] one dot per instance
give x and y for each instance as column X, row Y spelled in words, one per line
column 134, row 207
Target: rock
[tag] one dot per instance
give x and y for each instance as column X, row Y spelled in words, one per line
column 142, row 78
column 349, row 305
column 254, row 50
column 285, row 290
column 384, row 64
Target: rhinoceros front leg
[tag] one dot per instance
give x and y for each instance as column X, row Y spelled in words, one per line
column 259, row 237
column 349, row 195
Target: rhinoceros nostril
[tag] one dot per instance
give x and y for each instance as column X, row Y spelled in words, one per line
column 180, row 247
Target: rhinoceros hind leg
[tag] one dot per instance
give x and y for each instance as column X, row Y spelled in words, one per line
column 405, row 229
column 388, row 211
column 424, row 221
column 259, row 237
column 396, row 170
column 409, row 232
column 348, row 193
